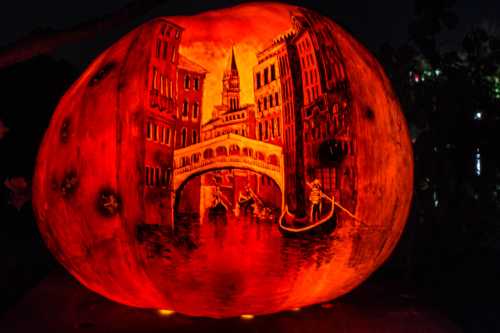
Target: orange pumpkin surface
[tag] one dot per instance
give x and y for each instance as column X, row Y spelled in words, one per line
column 193, row 164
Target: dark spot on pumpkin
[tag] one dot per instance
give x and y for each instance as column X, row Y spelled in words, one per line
column 64, row 131
column 69, row 184
column 101, row 74
column 109, row 203
column 369, row 114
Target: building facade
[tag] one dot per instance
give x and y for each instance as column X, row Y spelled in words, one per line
column 190, row 83
column 326, row 108
column 160, row 121
column 165, row 119
column 300, row 80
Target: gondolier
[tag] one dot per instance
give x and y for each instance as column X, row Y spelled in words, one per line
column 315, row 198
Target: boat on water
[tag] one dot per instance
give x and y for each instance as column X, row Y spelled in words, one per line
column 293, row 226
column 218, row 209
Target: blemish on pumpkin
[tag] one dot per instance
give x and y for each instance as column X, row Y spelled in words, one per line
column 101, row 74
column 69, row 184
column 369, row 114
column 64, row 131
column 109, row 202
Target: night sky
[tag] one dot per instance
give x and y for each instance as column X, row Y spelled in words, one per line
column 372, row 22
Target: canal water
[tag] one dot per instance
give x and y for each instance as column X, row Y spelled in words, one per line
column 237, row 261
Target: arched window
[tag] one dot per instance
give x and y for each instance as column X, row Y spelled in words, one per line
column 260, row 131
column 195, row 137
column 196, row 107
column 183, row 137
column 185, row 108
column 187, row 81
column 208, row 153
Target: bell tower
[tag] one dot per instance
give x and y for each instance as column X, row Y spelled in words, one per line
column 231, row 84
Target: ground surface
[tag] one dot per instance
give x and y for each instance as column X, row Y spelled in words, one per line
column 60, row 304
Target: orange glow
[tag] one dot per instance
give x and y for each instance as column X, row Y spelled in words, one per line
column 292, row 201
column 165, row 312
column 247, row 317
column 212, row 34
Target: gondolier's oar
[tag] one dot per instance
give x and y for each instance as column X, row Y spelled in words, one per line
column 337, row 204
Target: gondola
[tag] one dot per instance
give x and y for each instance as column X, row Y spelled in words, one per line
column 218, row 209
column 292, row 226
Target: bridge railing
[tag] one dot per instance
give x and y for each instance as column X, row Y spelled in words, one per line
column 227, row 159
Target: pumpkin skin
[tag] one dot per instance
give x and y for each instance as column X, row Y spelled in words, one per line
column 93, row 211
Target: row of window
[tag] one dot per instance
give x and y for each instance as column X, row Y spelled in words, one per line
column 236, row 116
column 195, row 109
column 162, row 50
column 167, row 31
column 158, row 133
column 164, row 135
column 187, row 82
column 269, row 101
column 265, row 77
column 163, row 84
column 287, row 89
column 311, row 77
column 307, row 60
column 287, row 112
column 322, row 130
column 284, row 65
column 311, row 94
column 184, row 137
column 234, row 103
column 238, row 131
column 157, row 177
column 304, row 45
column 269, row 129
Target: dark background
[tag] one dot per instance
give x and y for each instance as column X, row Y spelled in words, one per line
column 443, row 57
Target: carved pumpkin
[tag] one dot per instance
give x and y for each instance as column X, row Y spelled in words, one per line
column 242, row 161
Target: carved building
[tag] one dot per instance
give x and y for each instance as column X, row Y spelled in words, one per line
column 191, row 78
column 164, row 119
column 329, row 148
column 301, row 76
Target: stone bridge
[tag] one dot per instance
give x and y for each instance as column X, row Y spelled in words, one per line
column 230, row 151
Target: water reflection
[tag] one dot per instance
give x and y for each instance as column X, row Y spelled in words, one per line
column 251, row 237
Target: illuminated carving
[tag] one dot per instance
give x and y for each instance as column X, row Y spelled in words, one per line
column 234, row 163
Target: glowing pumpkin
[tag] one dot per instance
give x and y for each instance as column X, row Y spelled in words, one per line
column 192, row 165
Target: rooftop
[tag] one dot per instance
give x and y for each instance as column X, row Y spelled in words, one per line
column 186, row 64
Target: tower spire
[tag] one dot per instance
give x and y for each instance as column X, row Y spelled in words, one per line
column 233, row 61
column 231, row 83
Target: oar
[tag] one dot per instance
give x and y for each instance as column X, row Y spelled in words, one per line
column 337, row 204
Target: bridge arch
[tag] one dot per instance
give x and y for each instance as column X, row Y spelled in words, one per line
column 180, row 186
column 230, row 151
